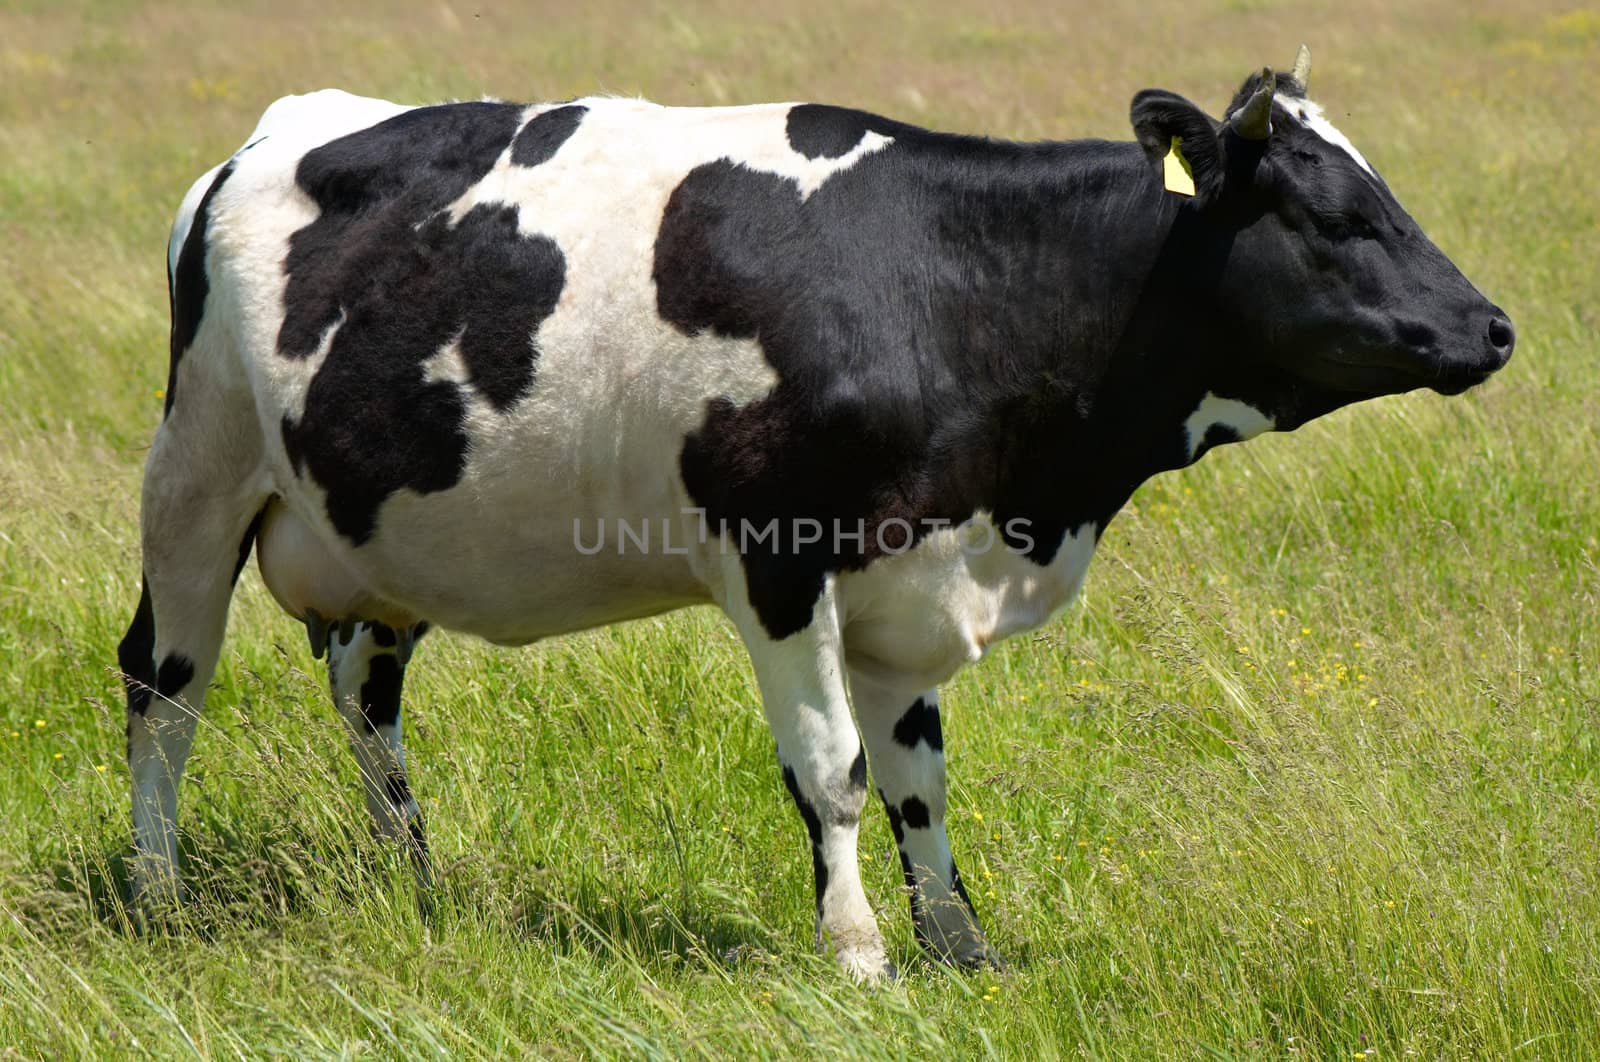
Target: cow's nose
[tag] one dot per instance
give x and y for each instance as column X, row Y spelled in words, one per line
column 1502, row 336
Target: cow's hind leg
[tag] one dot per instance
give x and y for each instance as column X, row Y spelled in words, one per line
column 198, row 519
column 906, row 744
column 366, row 669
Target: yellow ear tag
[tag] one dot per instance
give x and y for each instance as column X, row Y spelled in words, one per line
column 1175, row 169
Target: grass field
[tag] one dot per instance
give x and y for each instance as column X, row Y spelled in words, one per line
column 1312, row 770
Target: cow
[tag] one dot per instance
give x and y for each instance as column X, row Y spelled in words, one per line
column 874, row 391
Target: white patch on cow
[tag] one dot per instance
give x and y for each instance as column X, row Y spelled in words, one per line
column 812, row 172
column 912, row 620
column 665, row 144
column 1310, row 115
column 1241, row 418
column 446, row 365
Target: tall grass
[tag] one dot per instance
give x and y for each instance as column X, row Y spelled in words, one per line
column 1313, row 770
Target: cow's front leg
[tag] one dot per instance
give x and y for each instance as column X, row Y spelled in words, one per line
column 807, row 706
column 906, row 742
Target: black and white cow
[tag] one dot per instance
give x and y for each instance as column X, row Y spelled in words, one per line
column 875, row 391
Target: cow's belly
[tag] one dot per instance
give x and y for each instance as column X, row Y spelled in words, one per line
column 482, row 572
column 912, row 621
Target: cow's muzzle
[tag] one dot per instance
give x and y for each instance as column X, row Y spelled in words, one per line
column 1458, row 374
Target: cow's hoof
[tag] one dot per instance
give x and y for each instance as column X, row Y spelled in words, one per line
column 156, row 910
column 985, row 958
column 867, row 966
column 962, row 946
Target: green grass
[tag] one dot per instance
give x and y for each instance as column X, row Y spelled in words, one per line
column 1313, row 770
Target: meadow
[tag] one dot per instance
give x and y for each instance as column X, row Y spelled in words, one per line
column 1312, row 769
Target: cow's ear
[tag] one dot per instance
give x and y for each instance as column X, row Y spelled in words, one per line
column 1160, row 117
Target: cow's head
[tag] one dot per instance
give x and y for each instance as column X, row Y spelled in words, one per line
column 1322, row 287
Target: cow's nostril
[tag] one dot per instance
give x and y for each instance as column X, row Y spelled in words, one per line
column 1502, row 336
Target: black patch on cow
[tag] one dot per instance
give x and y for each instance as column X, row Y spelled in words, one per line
column 190, row 285
column 542, row 137
column 897, row 821
column 936, row 354
column 960, row 889
column 919, row 927
column 916, row 813
column 911, row 883
column 136, row 654
column 175, row 673
column 397, row 789
column 920, row 723
column 380, row 693
column 247, row 542
column 383, row 262
column 1216, row 435
column 808, row 812
column 819, row 131
column 418, row 838
column 382, row 634
column 858, row 771
column 959, row 324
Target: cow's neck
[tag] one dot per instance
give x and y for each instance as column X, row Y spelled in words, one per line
column 1091, row 286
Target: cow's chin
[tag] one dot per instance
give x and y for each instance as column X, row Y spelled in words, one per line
column 1455, row 381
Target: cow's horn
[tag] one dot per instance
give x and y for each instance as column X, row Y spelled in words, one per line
column 1302, row 68
column 1253, row 121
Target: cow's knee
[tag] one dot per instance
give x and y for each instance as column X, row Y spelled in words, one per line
column 831, row 809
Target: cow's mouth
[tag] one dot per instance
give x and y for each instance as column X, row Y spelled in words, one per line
column 1390, row 374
